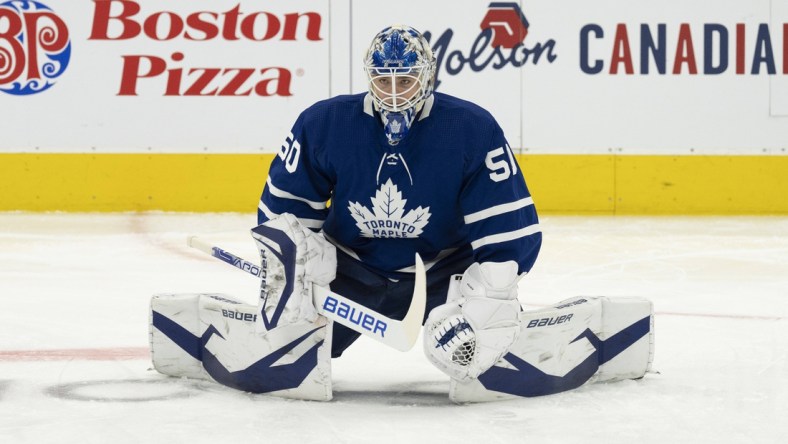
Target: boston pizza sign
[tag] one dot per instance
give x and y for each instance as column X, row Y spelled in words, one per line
column 127, row 20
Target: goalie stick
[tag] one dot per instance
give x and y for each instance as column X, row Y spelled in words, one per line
column 401, row 335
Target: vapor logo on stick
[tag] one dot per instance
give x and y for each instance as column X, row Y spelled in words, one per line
column 34, row 47
column 508, row 23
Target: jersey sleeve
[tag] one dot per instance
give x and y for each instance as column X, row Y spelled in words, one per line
column 498, row 210
column 297, row 181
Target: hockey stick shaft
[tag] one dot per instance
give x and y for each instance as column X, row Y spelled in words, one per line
column 400, row 335
column 226, row 256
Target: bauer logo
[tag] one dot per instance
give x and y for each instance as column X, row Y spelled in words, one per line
column 500, row 44
column 544, row 322
column 34, row 47
column 356, row 316
column 238, row 316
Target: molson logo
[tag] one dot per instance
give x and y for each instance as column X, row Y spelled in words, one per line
column 34, row 47
column 499, row 44
column 124, row 20
column 723, row 48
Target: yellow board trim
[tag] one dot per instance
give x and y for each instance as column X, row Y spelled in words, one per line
column 560, row 184
column 132, row 182
column 658, row 185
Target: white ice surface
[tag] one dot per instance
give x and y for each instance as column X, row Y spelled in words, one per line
column 78, row 286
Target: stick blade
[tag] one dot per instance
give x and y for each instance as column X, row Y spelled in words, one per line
column 199, row 244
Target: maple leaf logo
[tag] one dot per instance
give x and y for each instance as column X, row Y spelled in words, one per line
column 388, row 217
column 395, row 127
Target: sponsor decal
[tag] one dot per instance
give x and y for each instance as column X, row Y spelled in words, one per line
column 239, row 316
column 544, row 322
column 222, row 299
column 572, row 304
column 354, row 315
column 125, row 20
column 709, row 49
column 239, row 263
column 35, row 47
column 499, row 45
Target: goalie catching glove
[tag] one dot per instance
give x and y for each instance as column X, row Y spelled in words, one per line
column 475, row 328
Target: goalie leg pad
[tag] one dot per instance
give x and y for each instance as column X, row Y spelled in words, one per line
column 214, row 337
column 174, row 333
column 623, row 321
column 580, row 340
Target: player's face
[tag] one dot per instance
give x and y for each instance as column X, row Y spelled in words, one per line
column 396, row 89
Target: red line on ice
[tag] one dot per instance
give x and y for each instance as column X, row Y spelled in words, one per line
column 80, row 354
column 723, row 316
column 705, row 315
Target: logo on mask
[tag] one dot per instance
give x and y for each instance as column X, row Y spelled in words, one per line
column 388, row 218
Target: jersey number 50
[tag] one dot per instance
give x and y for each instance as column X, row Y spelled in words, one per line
column 500, row 168
column 290, row 152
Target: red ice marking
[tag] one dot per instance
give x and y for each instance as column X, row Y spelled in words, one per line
column 79, row 354
column 723, row 316
column 700, row 315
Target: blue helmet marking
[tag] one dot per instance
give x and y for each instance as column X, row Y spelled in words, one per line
column 394, row 53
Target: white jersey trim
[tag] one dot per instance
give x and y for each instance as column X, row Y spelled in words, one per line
column 282, row 194
column 344, row 249
column 368, row 108
column 498, row 209
column 312, row 223
column 309, row 223
column 266, row 211
column 429, row 264
column 505, row 237
column 425, row 111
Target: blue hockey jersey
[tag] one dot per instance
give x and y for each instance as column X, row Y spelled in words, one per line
column 450, row 187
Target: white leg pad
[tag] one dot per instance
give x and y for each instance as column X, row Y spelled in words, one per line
column 633, row 362
column 211, row 336
column 579, row 340
column 169, row 358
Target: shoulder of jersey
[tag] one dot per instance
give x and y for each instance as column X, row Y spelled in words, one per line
column 345, row 104
column 456, row 107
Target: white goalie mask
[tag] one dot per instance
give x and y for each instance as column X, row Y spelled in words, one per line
column 400, row 69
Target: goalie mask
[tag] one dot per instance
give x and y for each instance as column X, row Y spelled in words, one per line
column 400, row 70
